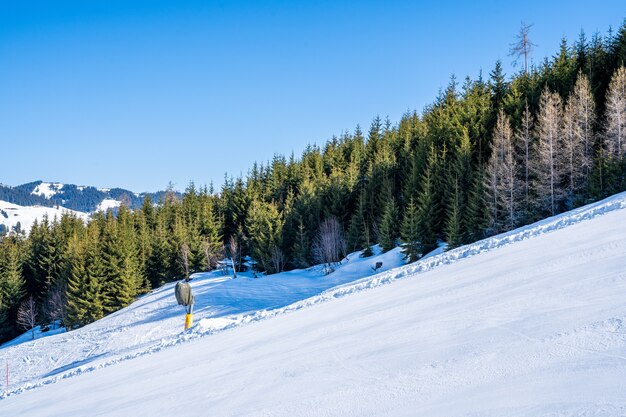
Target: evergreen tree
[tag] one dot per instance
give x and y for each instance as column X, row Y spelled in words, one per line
column 85, row 294
column 264, row 230
column 302, row 248
column 388, row 230
column 356, row 230
column 410, row 232
column 428, row 207
column 454, row 234
column 11, row 283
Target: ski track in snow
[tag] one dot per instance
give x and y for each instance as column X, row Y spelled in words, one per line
column 614, row 329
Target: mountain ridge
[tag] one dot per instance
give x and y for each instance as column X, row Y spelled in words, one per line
column 71, row 196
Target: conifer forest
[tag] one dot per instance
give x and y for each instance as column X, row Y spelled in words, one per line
column 488, row 155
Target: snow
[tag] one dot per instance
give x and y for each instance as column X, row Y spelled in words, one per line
column 47, row 189
column 11, row 214
column 107, row 204
column 528, row 323
column 39, row 333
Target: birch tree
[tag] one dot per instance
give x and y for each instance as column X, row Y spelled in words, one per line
column 548, row 164
column 615, row 128
column 27, row 315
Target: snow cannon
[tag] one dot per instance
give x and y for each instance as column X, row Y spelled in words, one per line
column 185, row 297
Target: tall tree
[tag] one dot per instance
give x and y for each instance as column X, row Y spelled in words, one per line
column 549, row 162
column 584, row 109
column 615, row 125
column 524, row 140
column 410, row 233
column 502, row 171
column 522, row 47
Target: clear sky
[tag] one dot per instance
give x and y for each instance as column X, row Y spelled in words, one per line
column 135, row 94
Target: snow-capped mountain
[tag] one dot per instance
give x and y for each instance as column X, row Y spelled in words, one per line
column 527, row 323
column 27, row 202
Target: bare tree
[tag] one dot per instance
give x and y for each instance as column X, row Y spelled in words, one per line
column 278, row 259
column 615, row 130
column 184, row 258
column 27, row 315
column 522, row 47
column 584, row 108
column 212, row 254
column 329, row 246
column 55, row 309
column 502, row 170
column 233, row 249
column 548, row 164
column 524, row 139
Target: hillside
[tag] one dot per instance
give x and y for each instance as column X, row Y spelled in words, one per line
column 29, row 202
column 13, row 216
column 530, row 322
column 75, row 197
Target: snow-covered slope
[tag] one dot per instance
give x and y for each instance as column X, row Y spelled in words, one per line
column 47, row 189
column 12, row 214
column 532, row 322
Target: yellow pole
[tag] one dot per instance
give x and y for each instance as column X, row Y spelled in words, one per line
column 188, row 321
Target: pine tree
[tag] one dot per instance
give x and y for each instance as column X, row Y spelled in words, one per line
column 120, row 262
column 302, row 248
column 410, row 233
column 264, row 230
column 454, row 234
column 388, row 229
column 11, row 283
column 428, row 207
column 85, row 293
column 356, row 230
column 477, row 213
column 367, row 252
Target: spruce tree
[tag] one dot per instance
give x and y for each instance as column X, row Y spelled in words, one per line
column 428, row 206
column 454, row 233
column 410, row 233
column 356, row 230
column 85, row 294
column 388, row 229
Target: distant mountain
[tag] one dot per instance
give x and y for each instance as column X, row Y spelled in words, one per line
column 86, row 199
column 21, row 205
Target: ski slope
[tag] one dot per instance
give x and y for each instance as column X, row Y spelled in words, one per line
column 528, row 323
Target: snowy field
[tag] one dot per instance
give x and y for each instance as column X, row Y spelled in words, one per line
column 529, row 323
column 12, row 214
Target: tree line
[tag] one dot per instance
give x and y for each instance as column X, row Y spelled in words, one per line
column 485, row 157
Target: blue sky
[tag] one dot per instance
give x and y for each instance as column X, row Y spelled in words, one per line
column 135, row 94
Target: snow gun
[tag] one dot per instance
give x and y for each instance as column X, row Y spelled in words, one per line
column 185, row 297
